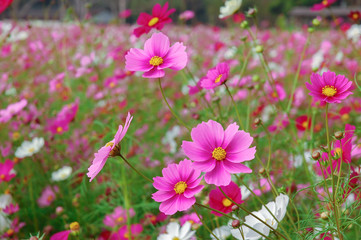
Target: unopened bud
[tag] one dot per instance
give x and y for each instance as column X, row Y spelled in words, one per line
column 316, row 22
column 34, row 238
column 244, row 24
column 235, row 208
column 316, row 155
column 236, row 223
column 259, row 49
column 74, row 226
column 310, row 30
column 257, row 121
column 324, row 215
column 261, row 171
column 255, row 78
column 339, row 135
column 252, row 12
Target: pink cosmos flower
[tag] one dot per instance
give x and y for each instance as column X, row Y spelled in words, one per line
column 125, row 14
column 322, row 5
column 177, row 187
column 118, row 217
column 4, row 4
column 216, row 76
column 192, row 218
column 63, row 235
column 156, row 56
column 329, row 87
column 346, row 144
column 6, row 171
column 123, row 233
column 159, row 17
column 11, row 209
column 100, row 158
column 218, row 201
column 11, row 110
column 14, row 228
column 280, row 122
column 47, row 196
column 186, row 15
column 219, row 152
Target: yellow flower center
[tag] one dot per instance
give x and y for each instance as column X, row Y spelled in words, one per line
column 305, row 124
column 219, row 154
column 175, row 238
column 31, row 150
column 329, row 91
column 10, row 232
column 16, row 136
column 126, row 235
column 355, row 16
column 112, row 84
column 345, row 117
column 2, row 176
column 325, row 2
column 59, row 129
column 226, row 202
column 218, row 78
column 153, row 21
column 274, row 95
column 74, row 226
column 109, row 144
column 58, row 86
column 338, row 152
column 180, row 187
column 156, row 61
column 120, row 219
column 50, row 198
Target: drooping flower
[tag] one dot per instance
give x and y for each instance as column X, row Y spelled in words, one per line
column 218, row 152
column 100, row 158
column 216, row 76
column 230, row 7
column 27, row 148
column 218, row 201
column 156, row 56
column 278, row 208
column 159, row 17
column 118, row 217
column 61, row 174
column 329, row 87
column 174, row 231
column 322, row 5
column 177, row 187
column 6, row 171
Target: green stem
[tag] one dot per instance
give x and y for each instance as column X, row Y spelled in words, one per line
column 235, row 106
column 169, row 107
column 204, row 224
column 269, row 145
column 130, row 165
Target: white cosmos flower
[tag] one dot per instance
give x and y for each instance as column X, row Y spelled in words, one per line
column 5, row 222
column 29, row 148
column 222, row 233
column 230, row 7
column 170, row 136
column 354, row 33
column 278, row 209
column 61, row 174
column 174, row 231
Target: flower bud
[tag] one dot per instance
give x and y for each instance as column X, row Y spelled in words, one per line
column 324, row 215
column 316, row 22
column 259, row 49
column 34, row 238
column 59, row 210
column 244, row 24
column 261, row 171
column 339, row 135
column 310, row 30
column 257, row 121
column 74, row 226
column 252, row 12
column 236, row 223
column 255, row 78
column 235, row 208
column 316, row 155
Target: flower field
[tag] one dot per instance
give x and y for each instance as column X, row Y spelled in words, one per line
column 175, row 132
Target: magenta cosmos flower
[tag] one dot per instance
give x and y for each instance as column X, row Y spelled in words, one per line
column 218, row 201
column 156, row 56
column 219, row 153
column 159, row 17
column 329, row 87
column 100, row 158
column 6, row 171
column 322, row 5
column 177, row 187
column 216, row 76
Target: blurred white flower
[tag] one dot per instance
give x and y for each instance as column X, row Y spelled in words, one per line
column 174, row 231
column 5, row 200
column 230, row 7
column 61, row 174
column 354, row 33
column 29, row 148
column 169, row 138
column 221, row 233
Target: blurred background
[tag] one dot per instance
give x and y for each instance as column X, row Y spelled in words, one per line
column 271, row 12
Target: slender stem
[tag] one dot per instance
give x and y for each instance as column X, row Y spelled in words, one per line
column 269, row 145
column 169, row 107
column 297, row 73
column 235, row 106
column 204, row 224
column 250, row 213
column 130, row 165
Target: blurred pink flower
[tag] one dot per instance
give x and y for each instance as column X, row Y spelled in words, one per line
column 322, row 5
column 216, row 76
column 186, row 15
column 123, row 233
column 118, row 217
column 6, row 171
column 125, row 14
column 47, row 196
